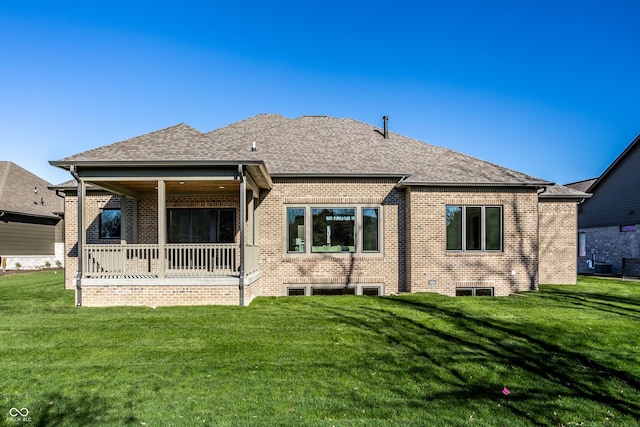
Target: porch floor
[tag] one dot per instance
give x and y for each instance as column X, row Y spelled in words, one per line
column 168, row 280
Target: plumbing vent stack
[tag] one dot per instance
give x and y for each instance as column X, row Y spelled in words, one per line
column 386, row 126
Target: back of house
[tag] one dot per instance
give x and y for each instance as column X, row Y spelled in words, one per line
column 307, row 206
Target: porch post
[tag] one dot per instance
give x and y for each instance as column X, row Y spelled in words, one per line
column 82, row 239
column 134, row 221
column 243, row 215
column 124, row 224
column 162, row 226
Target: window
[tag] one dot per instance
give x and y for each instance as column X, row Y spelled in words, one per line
column 474, row 292
column 333, row 230
column 582, row 244
column 474, row 228
column 370, row 227
column 201, row 225
column 333, row 291
column 372, row 291
column 110, row 223
column 369, row 289
column 295, row 235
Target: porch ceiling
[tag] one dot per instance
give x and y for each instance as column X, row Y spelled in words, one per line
column 183, row 186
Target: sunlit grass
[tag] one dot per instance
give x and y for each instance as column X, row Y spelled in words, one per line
column 568, row 355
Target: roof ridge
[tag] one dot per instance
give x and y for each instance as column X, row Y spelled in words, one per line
column 578, row 182
column 245, row 120
column 128, row 140
column 159, row 130
column 498, row 166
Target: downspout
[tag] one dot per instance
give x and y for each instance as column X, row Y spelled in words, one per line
column 243, row 202
column 80, row 197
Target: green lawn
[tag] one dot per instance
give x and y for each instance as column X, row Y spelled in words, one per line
column 568, row 355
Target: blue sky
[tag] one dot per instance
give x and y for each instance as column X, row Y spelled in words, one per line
column 547, row 88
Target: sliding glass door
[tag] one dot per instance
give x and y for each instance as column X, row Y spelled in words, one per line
column 195, row 225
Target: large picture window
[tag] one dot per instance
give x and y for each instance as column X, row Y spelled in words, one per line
column 474, row 228
column 110, row 223
column 201, row 225
column 333, row 230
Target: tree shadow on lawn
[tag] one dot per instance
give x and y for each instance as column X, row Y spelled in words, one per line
column 626, row 306
column 86, row 410
column 507, row 352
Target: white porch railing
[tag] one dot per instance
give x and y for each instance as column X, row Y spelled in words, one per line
column 183, row 260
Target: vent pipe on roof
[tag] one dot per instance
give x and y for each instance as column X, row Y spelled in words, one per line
column 386, row 127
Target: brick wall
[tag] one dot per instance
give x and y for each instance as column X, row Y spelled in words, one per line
column 419, row 263
column 281, row 269
column 434, row 269
column 558, row 241
column 158, row 296
column 610, row 245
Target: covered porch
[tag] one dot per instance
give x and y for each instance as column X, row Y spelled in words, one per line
column 176, row 249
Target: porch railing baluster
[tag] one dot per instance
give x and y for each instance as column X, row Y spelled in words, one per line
column 184, row 260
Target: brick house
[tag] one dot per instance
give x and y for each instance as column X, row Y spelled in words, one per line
column 306, row 206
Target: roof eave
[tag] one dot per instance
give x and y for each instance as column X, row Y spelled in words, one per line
column 340, row 175
column 31, row 215
column 565, row 196
column 535, row 184
column 66, row 164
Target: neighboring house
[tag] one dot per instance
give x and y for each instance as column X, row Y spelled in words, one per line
column 31, row 224
column 306, row 206
column 609, row 222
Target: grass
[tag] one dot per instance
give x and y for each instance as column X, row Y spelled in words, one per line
column 567, row 354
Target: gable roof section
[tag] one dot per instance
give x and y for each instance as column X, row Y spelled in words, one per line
column 563, row 192
column 581, row 185
column 616, row 163
column 310, row 146
column 22, row 192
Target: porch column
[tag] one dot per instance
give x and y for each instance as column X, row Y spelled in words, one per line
column 162, row 226
column 134, row 221
column 82, row 237
column 243, row 216
column 124, row 223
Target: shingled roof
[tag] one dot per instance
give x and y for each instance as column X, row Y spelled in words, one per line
column 310, row 146
column 22, row 192
column 584, row 185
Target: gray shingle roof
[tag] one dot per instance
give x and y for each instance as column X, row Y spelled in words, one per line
column 563, row 192
column 310, row 145
column 25, row 193
column 583, row 186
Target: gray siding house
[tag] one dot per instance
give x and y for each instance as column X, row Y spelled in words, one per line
column 609, row 221
column 31, row 224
